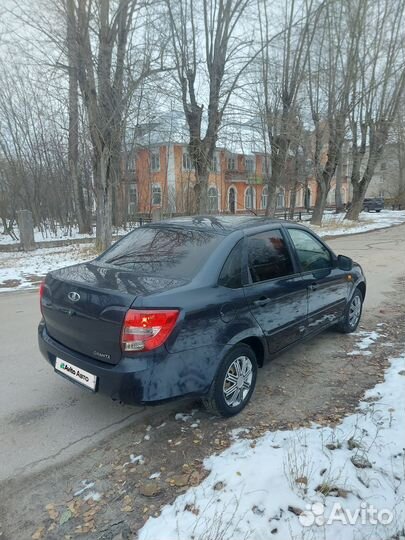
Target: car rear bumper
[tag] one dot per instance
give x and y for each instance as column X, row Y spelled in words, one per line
column 149, row 378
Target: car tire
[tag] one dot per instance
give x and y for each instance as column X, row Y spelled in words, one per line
column 352, row 315
column 367, row 209
column 378, row 210
column 238, row 370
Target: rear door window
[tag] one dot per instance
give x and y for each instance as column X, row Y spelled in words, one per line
column 312, row 254
column 166, row 252
column 268, row 256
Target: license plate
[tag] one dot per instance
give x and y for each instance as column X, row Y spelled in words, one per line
column 77, row 374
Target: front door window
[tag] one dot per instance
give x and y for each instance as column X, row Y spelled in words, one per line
column 311, row 253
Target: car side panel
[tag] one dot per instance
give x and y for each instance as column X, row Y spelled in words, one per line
column 327, row 297
column 280, row 308
column 328, row 289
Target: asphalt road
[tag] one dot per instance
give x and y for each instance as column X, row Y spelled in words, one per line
column 45, row 420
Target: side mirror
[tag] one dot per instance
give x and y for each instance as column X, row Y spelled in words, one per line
column 344, row 263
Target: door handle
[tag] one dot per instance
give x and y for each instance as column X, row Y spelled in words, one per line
column 263, row 301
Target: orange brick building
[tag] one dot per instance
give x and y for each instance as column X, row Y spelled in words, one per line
column 163, row 178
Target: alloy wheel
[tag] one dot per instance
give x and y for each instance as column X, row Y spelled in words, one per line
column 355, row 311
column 238, row 380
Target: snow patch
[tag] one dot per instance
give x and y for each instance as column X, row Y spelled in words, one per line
column 263, row 488
column 335, row 224
column 367, row 339
column 22, row 267
column 183, row 416
column 86, row 485
column 61, row 233
column 137, row 459
column 92, row 495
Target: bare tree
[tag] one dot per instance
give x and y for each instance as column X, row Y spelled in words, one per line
column 331, row 71
column 377, row 89
column 34, row 168
column 213, row 54
column 399, row 142
column 112, row 60
column 283, row 69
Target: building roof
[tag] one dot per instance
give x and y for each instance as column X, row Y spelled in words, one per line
column 171, row 128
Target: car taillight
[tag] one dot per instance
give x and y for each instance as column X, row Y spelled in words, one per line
column 144, row 330
column 41, row 293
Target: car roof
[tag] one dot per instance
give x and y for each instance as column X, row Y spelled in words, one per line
column 220, row 224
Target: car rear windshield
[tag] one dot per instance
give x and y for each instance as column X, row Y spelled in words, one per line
column 167, row 252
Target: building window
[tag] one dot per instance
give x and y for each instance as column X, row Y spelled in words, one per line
column 280, row 199
column 156, row 194
column 155, row 161
column 231, row 163
column 249, row 164
column 187, row 163
column 214, row 164
column 132, row 199
column 213, row 199
column 265, row 196
column 249, row 198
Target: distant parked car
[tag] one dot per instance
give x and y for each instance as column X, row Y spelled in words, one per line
column 375, row 203
column 193, row 306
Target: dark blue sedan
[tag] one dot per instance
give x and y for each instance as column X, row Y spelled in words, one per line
column 193, row 306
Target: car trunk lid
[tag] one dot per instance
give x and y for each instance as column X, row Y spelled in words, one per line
column 84, row 306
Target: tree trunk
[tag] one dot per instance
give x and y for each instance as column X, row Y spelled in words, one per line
column 271, row 199
column 104, row 203
column 104, row 218
column 359, row 192
column 293, row 200
column 378, row 137
column 202, row 194
column 201, row 184
column 357, row 200
column 73, row 139
column 320, row 204
column 279, row 149
column 338, row 187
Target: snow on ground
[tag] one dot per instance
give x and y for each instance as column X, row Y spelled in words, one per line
column 335, row 224
column 62, row 233
column 348, row 481
column 22, row 270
